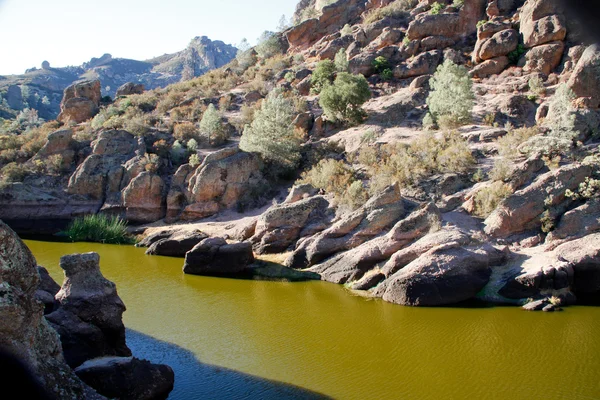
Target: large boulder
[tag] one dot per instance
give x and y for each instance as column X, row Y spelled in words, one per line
column 130, row 88
column 127, row 378
column 176, row 245
column 522, row 210
column 214, row 256
column 585, row 79
column 59, row 143
column 500, row 44
column 24, row 333
column 493, row 66
column 423, row 64
column 578, row 222
column 444, row 275
column 144, row 198
column 282, row 225
column 544, row 58
column 583, row 255
column 541, row 22
column 89, row 317
column 80, row 101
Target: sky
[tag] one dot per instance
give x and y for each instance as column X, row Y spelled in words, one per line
column 70, row 32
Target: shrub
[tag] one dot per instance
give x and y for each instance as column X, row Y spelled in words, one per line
column 458, row 3
column 178, row 152
column 451, row 94
column 211, row 127
column 515, row 55
column 508, row 145
column 185, row 131
column 99, row 228
column 355, row 196
column 341, row 61
column 536, row 85
column 322, row 75
column 487, row 199
column 192, row 145
column 343, row 99
column 387, row 74
column 271, row 133
column 481, row 23
column 54, row 164
column 561, row 116
column 501, row 171
column 13, row 172
column 289, row 76
column 194, row 160
column 346, row 30
column 586, row 190
column 268, row 45
column 436, row 8
column 380, row 64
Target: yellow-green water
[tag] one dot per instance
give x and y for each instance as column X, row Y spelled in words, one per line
column 319, row 337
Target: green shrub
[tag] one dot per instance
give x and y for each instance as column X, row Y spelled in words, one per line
column 212, row 128
column 380, row 64
column 508, row 145
column 343, row 99
column 536, row 86
column 436, row 8
column 451, row 94
column 561, row 114
column 346, row 30
column 192, row 145
column 268, row 45
column 341, row 61
column 271, row 133
column 515, row 55
column 501, row 171
column 322, row 75
column 481, row 23
column 99, row 228
column 289, row 76
column 458, row 3
column 395, row 9
column 487, row 199
column 13, row 172
column 194, row 160
column 387, row 74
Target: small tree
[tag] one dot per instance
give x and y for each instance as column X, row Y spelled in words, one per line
column 561, row 114
column 451, row 98
column 211, row 126
column 271, row 133
column 341, row 61
column 268, row 45
column 323, row 75
column 343, row 99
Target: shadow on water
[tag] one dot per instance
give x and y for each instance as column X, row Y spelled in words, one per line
column 194, row 380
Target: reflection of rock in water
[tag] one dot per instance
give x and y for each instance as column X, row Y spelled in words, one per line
column 196, row 380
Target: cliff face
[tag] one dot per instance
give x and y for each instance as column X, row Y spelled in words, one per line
column 30, row 89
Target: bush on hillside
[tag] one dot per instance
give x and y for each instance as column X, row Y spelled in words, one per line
column 212, row 127
column 271, row 133
column 487, row 199
column 323, row 75
column 341, row 61
column 268, row 45
column 451, row 98
column 343, row 99
column 395, row 9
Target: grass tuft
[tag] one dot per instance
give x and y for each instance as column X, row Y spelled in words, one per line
column 99, row 228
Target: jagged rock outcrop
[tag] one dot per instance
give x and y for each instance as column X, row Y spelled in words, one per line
column 129, row 88
column 89, row 316
column 351, row 230
column 283, row 224
column 585, row 79
column 80, row 101
column 59, row 143
column 127, row 378
column 214, row 256
column 24, row 331
column 522, row 210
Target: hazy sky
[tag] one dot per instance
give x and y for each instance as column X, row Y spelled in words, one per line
column 69, row 32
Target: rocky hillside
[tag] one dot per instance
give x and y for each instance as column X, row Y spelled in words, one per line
column 424, row 152
column 41, row 88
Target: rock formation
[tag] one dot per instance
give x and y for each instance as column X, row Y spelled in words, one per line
column 80, row 101
column 214, row 256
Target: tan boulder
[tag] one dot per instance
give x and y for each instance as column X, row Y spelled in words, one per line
column 130, row 88
column 544, row 58
column 423, row 64
column 545, row 30
column 489, row 67
column 80, row 101
column 500, row 44
column 143, row 198
column 585, row 79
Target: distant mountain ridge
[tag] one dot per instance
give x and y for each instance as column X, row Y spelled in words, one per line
column 42, row 88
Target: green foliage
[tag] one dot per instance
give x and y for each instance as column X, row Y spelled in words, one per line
column 343, row 99
column 396, row 9
column 380, row 64
column 13, row 172
column 212, row 128
column 487, row 199
column 481, row 23
column 346, row 30
column 387, row 74
column 451, row 94
column 561, row 114
column 194, row 160
column 268, row 45
column 501, row 171
column 322, row 75
column 289, row 76
column 536, row 86
column 478, row 176
column 508, row 145
column 586, row 190
column 185, row 131
column 99, row 228
column 178, row 152
column 458, row 3
column 515, row 55
column 341, row 61
column 436, row 8
column 548, row 222
column 271, row 133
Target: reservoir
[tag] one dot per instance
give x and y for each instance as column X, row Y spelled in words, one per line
column 229, row 338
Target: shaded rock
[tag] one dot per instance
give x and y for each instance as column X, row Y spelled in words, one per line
column 130, row 88
column 423, row 64
column 521, row 211
column 89, row 318
column 176, row 245
column 578, row 222
column 362, row 64
column 143, row 198
column 153, row 238
column 585, row 79
column 283, row 224
column 583, row 255
column 484, row 135
column 58, row 143
column 544, row 58
column 127, row 378
column 304, row 86
column 213, row 256
column 444, row 275
column 435, row 42
column 46, row 290
column 304, row 121
column 252, row 97
column 500, row 44
column 24, row 332
column 535, row 282
column 536, row 305
column 276, row 272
